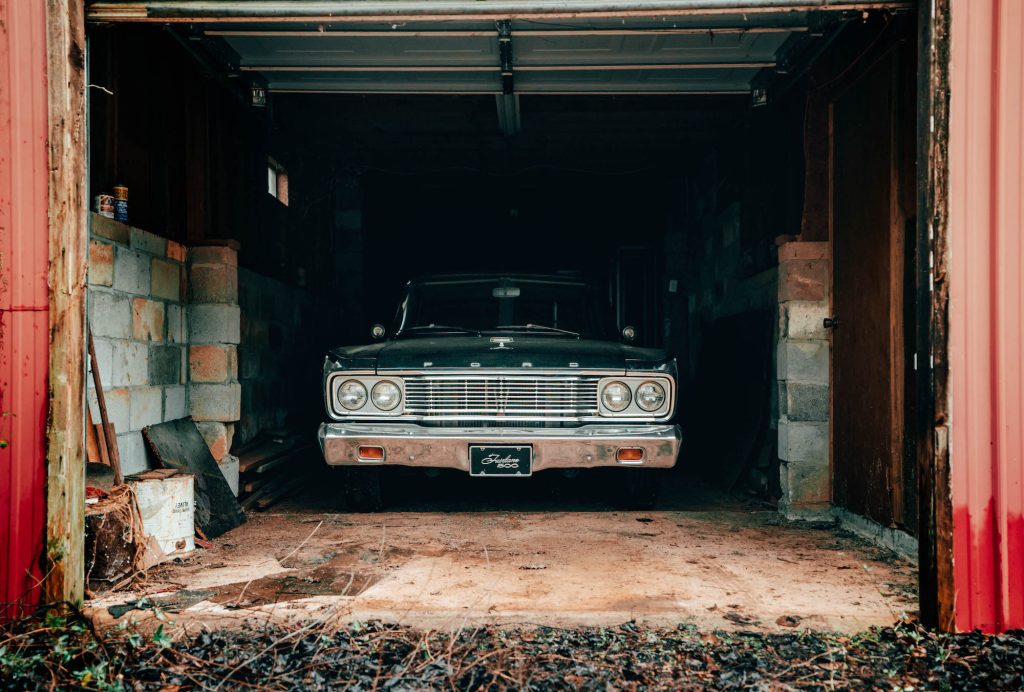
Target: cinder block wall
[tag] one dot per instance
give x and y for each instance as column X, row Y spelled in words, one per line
column 215, row 393
column 139, row 324
column 803, row 377
column 270, row 353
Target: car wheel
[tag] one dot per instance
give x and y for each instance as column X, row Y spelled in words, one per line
column 363, row 490
column 639, row 489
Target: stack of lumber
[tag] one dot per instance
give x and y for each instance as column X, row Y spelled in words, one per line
column 271, row 467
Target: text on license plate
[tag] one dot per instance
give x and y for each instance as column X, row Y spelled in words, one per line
column 500, row 461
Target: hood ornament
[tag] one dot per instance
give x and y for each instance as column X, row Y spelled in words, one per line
column 501, row 341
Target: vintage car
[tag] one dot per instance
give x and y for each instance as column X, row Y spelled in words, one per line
column 501, row 376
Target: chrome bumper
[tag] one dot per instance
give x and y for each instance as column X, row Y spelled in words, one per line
column 588, row 446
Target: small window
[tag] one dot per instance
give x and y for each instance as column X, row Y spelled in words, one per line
column 277, row 181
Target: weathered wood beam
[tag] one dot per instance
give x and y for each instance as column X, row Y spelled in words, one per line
column 64, row 567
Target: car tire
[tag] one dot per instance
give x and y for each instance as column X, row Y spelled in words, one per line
column 639, row 489
column 363, row 490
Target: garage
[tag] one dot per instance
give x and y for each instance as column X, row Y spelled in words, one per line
column 755, row 189
column 738, row 186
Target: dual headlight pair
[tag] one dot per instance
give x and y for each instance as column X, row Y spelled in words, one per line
column 617, row 396
column 385, row 395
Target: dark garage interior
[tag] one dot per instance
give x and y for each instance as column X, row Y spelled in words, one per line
column 721, row 182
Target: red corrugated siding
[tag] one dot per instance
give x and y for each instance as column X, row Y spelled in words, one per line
column 987, row 311
column 24, row 321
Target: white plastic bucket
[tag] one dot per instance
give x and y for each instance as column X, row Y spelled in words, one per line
column 168, row 511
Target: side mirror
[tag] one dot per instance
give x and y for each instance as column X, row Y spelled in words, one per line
column 378, row 331
column 629, row 333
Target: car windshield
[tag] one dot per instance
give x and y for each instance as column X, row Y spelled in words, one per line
column 497, row 304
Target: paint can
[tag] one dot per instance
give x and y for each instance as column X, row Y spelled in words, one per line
column 121, row 203
column 105, row 205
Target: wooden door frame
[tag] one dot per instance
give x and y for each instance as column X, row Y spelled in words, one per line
column 64, row 558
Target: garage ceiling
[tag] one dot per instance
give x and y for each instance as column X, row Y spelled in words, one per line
column 506, row 48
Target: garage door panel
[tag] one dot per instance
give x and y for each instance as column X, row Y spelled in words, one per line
column 315, row 49
column 705, row 47
column 411, row 82
column 715, row 81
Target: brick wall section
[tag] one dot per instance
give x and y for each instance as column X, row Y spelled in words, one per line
column 803, row 378
column 270, row 353
column 215, row 393
column 138, row 321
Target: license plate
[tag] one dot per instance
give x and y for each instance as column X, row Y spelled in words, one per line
column 500, row 461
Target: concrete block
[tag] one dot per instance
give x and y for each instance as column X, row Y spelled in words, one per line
column 166, row 279
column 118, row 407
column 146, row 407
column 803, row 320
column 110, row 315
column 176, row 329
column 130, row 364
column 801, row 401
column 801, row 441
column 803, row 361
column 805, row 485
column 176, row 251
column 803, row 280
column 101, row 263
column 215, row 402
column 213, row 283
column 217, row 436
column 131, row 272
column 175, row 402
column 105, row 227
column 804, row 250
column 229, row 467
column 132, row 450
column 165, row 364
column 147, row 320
column 213, row 363
column 213, row 254
column 213, row 324
column 104, row 360
column 148, row 242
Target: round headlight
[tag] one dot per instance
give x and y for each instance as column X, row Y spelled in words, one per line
column 352, row 395
column 650, row 396
column 385, row 395
column 616, row 396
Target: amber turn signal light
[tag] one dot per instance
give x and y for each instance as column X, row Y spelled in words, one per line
column 630, row 454
column 371, row 453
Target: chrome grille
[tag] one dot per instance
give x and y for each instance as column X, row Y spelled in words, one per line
column 513, row 395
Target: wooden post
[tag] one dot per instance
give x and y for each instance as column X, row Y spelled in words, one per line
column 64, row 567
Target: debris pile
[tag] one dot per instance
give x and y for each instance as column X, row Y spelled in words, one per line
column 64, row 651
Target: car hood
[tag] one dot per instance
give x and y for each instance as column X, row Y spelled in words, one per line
column 522, row 352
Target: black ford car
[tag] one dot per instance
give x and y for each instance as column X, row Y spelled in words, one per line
column 501, row 376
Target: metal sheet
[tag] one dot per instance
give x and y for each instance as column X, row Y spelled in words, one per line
column 986, row 344
column 24, row 316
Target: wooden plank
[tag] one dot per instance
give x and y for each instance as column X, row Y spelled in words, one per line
column 93, row 453
column 68, row 252
column 101, row 401
column 178, row 445
column 264, row 453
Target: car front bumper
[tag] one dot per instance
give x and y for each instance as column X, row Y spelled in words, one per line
column 587, row 446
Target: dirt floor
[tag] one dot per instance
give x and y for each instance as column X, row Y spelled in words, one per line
column 450, row 554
